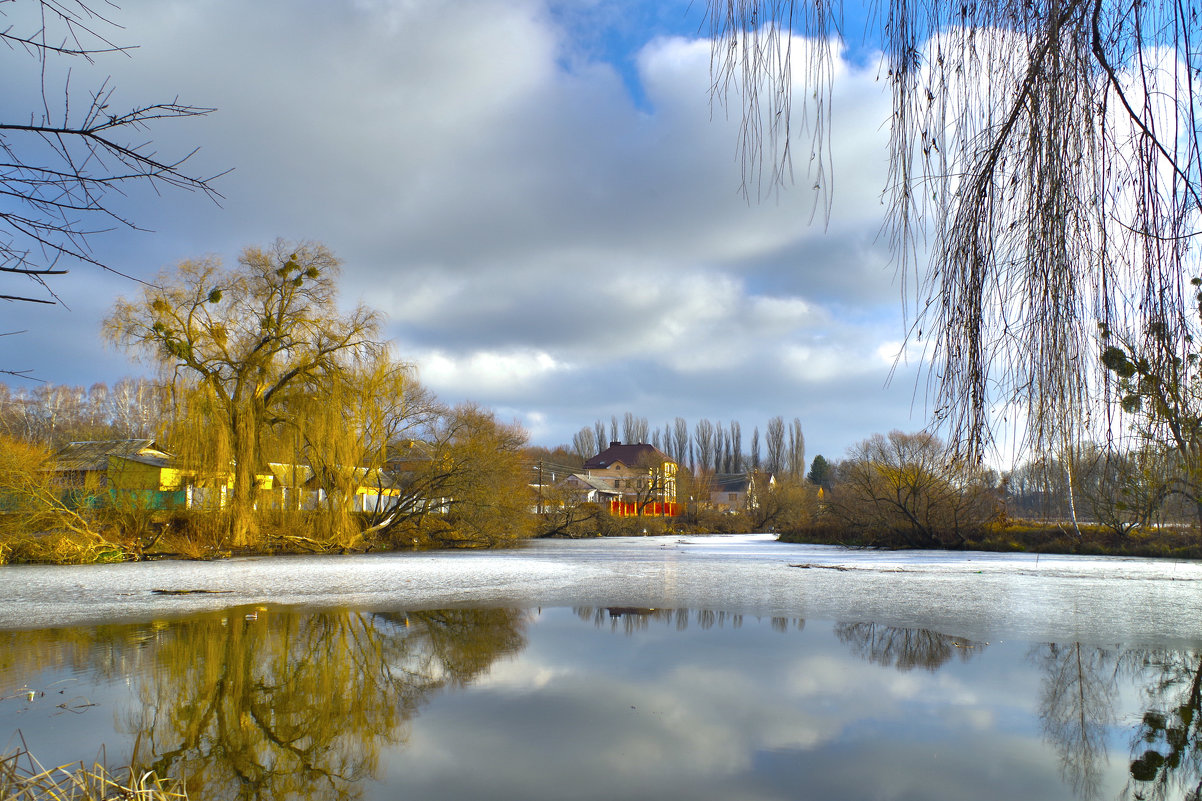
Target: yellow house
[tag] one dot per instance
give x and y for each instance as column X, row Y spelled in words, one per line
column 138, row 465
column 638, row 471
column 128, row 464
column 296, row 486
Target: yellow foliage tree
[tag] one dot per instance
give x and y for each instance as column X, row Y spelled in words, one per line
column 233, row 343
column 342, row 423
column 39, row 519
column 464, row 482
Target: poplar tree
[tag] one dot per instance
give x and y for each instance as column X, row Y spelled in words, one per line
column 774, row 442
column 680, row 441
column 584, row 443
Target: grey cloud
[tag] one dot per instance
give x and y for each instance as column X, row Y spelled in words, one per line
column 506, row 201
column 834, row 414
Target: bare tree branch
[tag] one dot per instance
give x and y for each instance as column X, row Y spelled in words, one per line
column 60, row 170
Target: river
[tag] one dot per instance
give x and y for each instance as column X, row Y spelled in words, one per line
column 677, row 667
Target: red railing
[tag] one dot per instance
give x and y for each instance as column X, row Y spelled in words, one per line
column 649, row 509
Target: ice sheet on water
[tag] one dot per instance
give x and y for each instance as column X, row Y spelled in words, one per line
column 978, row 595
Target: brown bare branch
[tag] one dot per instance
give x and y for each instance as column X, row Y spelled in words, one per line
column 61, row 168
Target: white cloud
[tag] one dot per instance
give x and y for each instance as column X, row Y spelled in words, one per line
column 491, row 371
column 903, row 352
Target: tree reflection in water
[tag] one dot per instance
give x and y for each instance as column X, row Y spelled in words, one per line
column 282, row 705
column 632, row 619
column 1079, row 689
column 1167, row 746
column 277, row 704
column 905, row 649
column 1076, row 709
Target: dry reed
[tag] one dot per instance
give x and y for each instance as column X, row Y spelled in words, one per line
column 22, row 778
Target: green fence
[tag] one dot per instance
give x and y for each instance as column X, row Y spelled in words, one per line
column 76, row 500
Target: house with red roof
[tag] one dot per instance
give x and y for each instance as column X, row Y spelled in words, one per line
column 642, row 475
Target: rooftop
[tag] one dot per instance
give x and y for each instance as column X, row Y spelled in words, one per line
column 630, row 455
column 95, row 455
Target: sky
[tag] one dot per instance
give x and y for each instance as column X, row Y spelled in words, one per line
column 537, row 194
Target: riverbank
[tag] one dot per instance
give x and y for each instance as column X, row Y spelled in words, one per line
column 1013, row 536
column 1020, row 536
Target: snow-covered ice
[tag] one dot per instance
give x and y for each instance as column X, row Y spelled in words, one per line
column 979, row 595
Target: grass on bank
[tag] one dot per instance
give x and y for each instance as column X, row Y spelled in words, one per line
column 198, row 537
column 1007, row 535
column 22, row 778
column 1023, row 536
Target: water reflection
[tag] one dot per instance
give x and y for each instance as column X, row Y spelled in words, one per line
column 631, row 619
column 1076, row 708
column 272, row 704
column 283, row 704
column 1167, row 744
column 905, row 649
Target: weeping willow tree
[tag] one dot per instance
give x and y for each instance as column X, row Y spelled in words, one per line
column 233, row 345
column 277, row 704
column 343, row 424
column 1045, row 179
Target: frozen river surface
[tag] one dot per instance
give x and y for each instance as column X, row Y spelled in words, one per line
column 976, row 595
column 698, row 668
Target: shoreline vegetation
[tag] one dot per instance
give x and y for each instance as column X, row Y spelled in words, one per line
column 1023, row 536
column 1010, row 536
column 1002, row 536
column 472, row 482
column 23, row 778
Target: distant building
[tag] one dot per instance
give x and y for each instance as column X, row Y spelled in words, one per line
column 643, row 475
column 737, row 492
column 112, row 471
column 587, row 489
column 124, row 473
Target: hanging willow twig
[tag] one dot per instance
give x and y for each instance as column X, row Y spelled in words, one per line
column 1045, row 180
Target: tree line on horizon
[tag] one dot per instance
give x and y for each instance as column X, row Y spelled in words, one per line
column 1121, row 492
column 708, row 445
